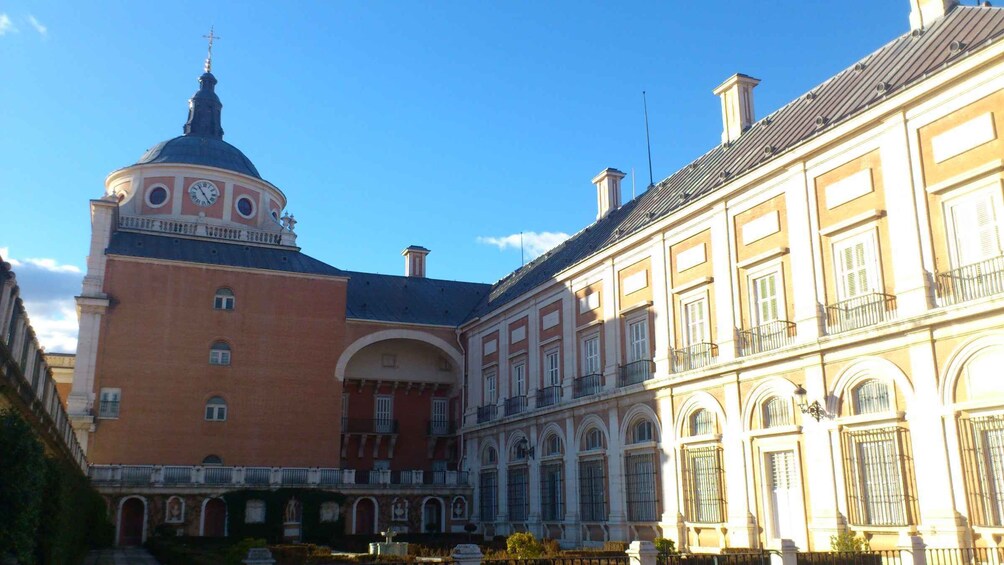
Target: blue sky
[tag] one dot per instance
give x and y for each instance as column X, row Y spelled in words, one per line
column 444, row 124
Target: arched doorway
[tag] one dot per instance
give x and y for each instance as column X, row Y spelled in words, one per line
column 132, row 521
column 214, row 518
column 365, row 515
column 432, row 516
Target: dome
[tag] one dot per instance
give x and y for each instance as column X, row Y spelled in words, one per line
column 199, row 150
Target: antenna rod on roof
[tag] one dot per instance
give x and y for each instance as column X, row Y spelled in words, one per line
column 648, row 141
column 632, row 183
column 521, row 260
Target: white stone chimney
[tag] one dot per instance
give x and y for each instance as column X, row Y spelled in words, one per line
column 924, row 12
column 737, row 105
column 414, row 261
column 608, row 191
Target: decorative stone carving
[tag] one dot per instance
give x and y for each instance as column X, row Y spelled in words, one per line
column 399, row 510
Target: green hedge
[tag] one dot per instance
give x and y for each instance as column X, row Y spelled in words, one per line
column 275, row 506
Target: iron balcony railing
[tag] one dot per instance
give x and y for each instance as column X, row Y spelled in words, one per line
column 971, row 282
column 548, row 396
column 487, row 413
column 694, row 356
column 441, row 427
column 587, row 385
column 636, row 372
column 515, row 405
column 860, row 312
column 229, row 476
column 766, row 337
column 369, row 426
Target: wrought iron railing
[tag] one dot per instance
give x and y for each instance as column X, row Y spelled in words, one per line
column 441, row 427
column 864, row 557
column 548, row 396
column 369, row 426
column 694, row 356
column 860, row 312
column 636, row 372
column 766, row 337
column 487, row 413
column 965, row 556
column 971, row 282
column 515, row 405
column 587, row 385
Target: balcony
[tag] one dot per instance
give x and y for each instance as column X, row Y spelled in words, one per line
column 587, row 385
column 548, row 396
column 369, row 426
column 515, row 405
column 694, row 356
column 766, row 337
column 487, row 413
column 636, row 372
column 971, row 282
column 158, row 476
column 441, row 428
column 860, row 312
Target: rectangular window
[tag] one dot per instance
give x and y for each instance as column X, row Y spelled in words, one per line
column 591, row 355
column 519, row 379
column 552, row 508
column 856, row 262
column 488, row 490
column 695, row 322
column 876, row 466
column 641, row 493
column 552, row 368
column 491, row 389
column 638, row 341
column 764, row 299
column 384, row 419
column 704, row 489
column 517, row 489
column 381, row 464
column 108, row 406
column 976, row 235
column 593, row 490
column 983, row 445
column 439, row 421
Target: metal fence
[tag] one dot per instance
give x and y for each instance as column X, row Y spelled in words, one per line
column 600, row 559
column 871, row 557
column 587, row 385
column 965, row 556
column 694, row 356
column 860, row 312
column 971, row 282
column 636, row 372
column 766, row 337
column 751, row 557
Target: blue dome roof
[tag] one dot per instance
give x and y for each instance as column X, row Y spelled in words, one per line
column 198, row 150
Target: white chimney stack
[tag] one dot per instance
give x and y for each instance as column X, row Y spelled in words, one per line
column 608, row 191
column 737, row 105
column 924, row 12
column 414, row 261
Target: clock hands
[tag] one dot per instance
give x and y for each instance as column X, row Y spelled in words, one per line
column 204, row 195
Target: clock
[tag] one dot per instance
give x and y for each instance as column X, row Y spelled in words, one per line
column 203, row 193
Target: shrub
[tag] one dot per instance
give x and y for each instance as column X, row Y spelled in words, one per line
column 522, row 545
column 551, row 546
column 615, row 546
column 22, row 481
column 239, row 551
column 665, row 546
column 847, row 542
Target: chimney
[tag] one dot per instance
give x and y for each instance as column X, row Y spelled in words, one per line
column 414, row 261
column 737, row 105
column 925, row 12
column 608, row 191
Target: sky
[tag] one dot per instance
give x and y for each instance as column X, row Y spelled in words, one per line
column 455, row 125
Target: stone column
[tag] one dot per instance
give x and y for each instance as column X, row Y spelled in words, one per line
column 740, row 520
column 671, row 521
column 722, row 268
column 502, row 516
column 642, row 553
column 573, row 533
column 662, row 317
column 467, row 554
column 800, row 240
column 819, row 478
column 611, row 327
column 533, row 485
column 615, row 478
column 569, row 346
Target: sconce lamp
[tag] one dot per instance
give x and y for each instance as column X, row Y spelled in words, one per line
column 524, row 444
column 815, row 409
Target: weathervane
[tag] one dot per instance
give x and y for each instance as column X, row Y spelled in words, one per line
column 209, row 58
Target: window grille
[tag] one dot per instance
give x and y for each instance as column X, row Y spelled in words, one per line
column 109, row 405
column 592, row 490
column 983, row 450
column 552, row 507
column 703, row 485
column 878, row 468
column 517, row 493
column 488, row 490
column 642, row 499
column 871, row 397
column 776, row 412
column 702, row 422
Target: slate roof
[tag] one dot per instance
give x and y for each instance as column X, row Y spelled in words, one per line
column 416, row 300
column 197, row 150
column 209, row 252
column 895, row 66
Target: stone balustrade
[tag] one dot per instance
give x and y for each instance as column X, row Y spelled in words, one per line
column 218, row 475
column 202, row 229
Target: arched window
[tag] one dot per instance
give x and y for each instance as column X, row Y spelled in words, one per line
column 219, row 353
column 593, row 440
column 490, row 456
column 520, row 450
column 776, row 412
column 224, row 299
column 871, row 397
column 702, row 422
column 212, row 460
column 552, row 445
column 254, row 512
column 216, row 409
column 642, row 431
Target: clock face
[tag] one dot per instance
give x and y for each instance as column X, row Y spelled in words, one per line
column 203, row 193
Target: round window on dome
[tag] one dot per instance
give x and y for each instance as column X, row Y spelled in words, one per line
column 245, row 207
column 156, row 197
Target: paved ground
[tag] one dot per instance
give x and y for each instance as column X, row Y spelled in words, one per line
column 122, row 556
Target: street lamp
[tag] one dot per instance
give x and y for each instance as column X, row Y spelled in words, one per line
column 815, row 409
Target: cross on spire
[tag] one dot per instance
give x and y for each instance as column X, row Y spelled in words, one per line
column 209, row 58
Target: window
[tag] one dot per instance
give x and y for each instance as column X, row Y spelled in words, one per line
column 552, row 492
column 702, row 422
column 976, row 235
column 983, row 445
column 642, row 431
column 871, row 397
column 488, row 489
column 552, row 368
column 695, row 327
column 108, row 406
column 156, row 197
column 776, row 412
column 592, row 490
column 489, row 457
column 857, row 267
column 520, row 450
column 641, row 493
column 593, row 440
column 764, row 299
column 491, row 389
column 638, row 341
column 703, row 486
column 439, row 422
column 212, row 461
column 216, row 409
column 381, row 464
column 219, row 354
column 384, row 419
column 518, row 499
column 254, row 512
column 224, row 299
column 591, row 355
column 552, row 445
column 876, row 464
column 519, row 379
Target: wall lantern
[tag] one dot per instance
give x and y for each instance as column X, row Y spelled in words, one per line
column 524, row 446
column 815, row 409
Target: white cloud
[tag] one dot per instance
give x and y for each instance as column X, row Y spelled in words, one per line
column 47, row 288
column 41, row 29
column 533, row 243
column 6, row 26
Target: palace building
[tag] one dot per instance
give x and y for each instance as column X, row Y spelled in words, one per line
column 790, row 337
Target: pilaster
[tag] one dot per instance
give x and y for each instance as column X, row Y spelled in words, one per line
column 615, row 477
column 740, row 519
column 721, row 264
column 661, row 316
column 573, row 534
